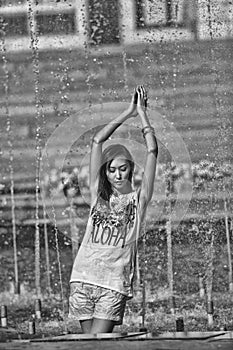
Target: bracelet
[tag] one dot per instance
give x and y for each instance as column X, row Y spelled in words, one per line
column 148, row 129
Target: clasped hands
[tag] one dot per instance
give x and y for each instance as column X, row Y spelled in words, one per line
column 138, row 102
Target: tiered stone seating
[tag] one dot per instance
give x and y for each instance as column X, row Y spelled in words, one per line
column 190, row 81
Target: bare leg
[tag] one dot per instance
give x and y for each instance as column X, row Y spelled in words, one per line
column 86, row 326
column 102, row 326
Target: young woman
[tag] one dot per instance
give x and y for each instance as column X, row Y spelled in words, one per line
column 103, row 270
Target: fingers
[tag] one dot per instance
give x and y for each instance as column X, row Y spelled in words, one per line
column 135, row 97
column 142, row 95
column 142, row 92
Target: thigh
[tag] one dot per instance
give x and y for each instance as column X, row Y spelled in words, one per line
column 81, row 305
column 102, row 326
column 110, row 306
column 86, row 326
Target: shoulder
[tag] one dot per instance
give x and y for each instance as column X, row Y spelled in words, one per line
column 99, row 204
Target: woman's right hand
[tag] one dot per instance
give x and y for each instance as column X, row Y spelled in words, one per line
column 132, row 110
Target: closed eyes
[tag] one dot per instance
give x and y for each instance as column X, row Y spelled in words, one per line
column 123, row 168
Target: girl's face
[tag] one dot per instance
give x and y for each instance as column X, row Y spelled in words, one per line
column 118, row 174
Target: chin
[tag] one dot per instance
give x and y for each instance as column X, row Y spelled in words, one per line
column 121, row 188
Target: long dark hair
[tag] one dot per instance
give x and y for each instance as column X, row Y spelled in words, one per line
column 110, row 153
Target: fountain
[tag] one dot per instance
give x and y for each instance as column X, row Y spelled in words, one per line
column 170, row 281
column 11, row 155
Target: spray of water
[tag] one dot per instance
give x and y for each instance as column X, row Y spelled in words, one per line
column 46, row 251
column 221, row 156
column 125, row 75
column 39, row 113
column 39, row 120
column 11, row 153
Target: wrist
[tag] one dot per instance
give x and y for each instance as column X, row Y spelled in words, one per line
column 148, row 129
column 130, row 110
column 141, row 111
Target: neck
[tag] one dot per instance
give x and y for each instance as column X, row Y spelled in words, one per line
column 125, row 190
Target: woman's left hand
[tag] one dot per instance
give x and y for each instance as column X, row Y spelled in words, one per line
column 142, row 99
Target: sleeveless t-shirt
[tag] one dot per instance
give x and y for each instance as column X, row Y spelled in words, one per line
column 107, row 255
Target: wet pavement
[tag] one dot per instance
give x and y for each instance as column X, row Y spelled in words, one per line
column 130, row 341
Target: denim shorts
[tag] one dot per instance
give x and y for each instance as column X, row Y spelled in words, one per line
column 89, row 301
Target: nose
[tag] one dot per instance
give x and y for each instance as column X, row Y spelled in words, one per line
column 118, row 174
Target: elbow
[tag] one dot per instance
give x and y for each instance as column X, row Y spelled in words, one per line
column 96, row 139
column 99, row 137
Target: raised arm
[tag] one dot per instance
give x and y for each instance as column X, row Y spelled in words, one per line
column 147, row 185
column 99, row 138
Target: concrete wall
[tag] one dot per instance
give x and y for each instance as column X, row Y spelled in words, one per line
column 77, row 23
column 27, row 15
column 215, row 18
